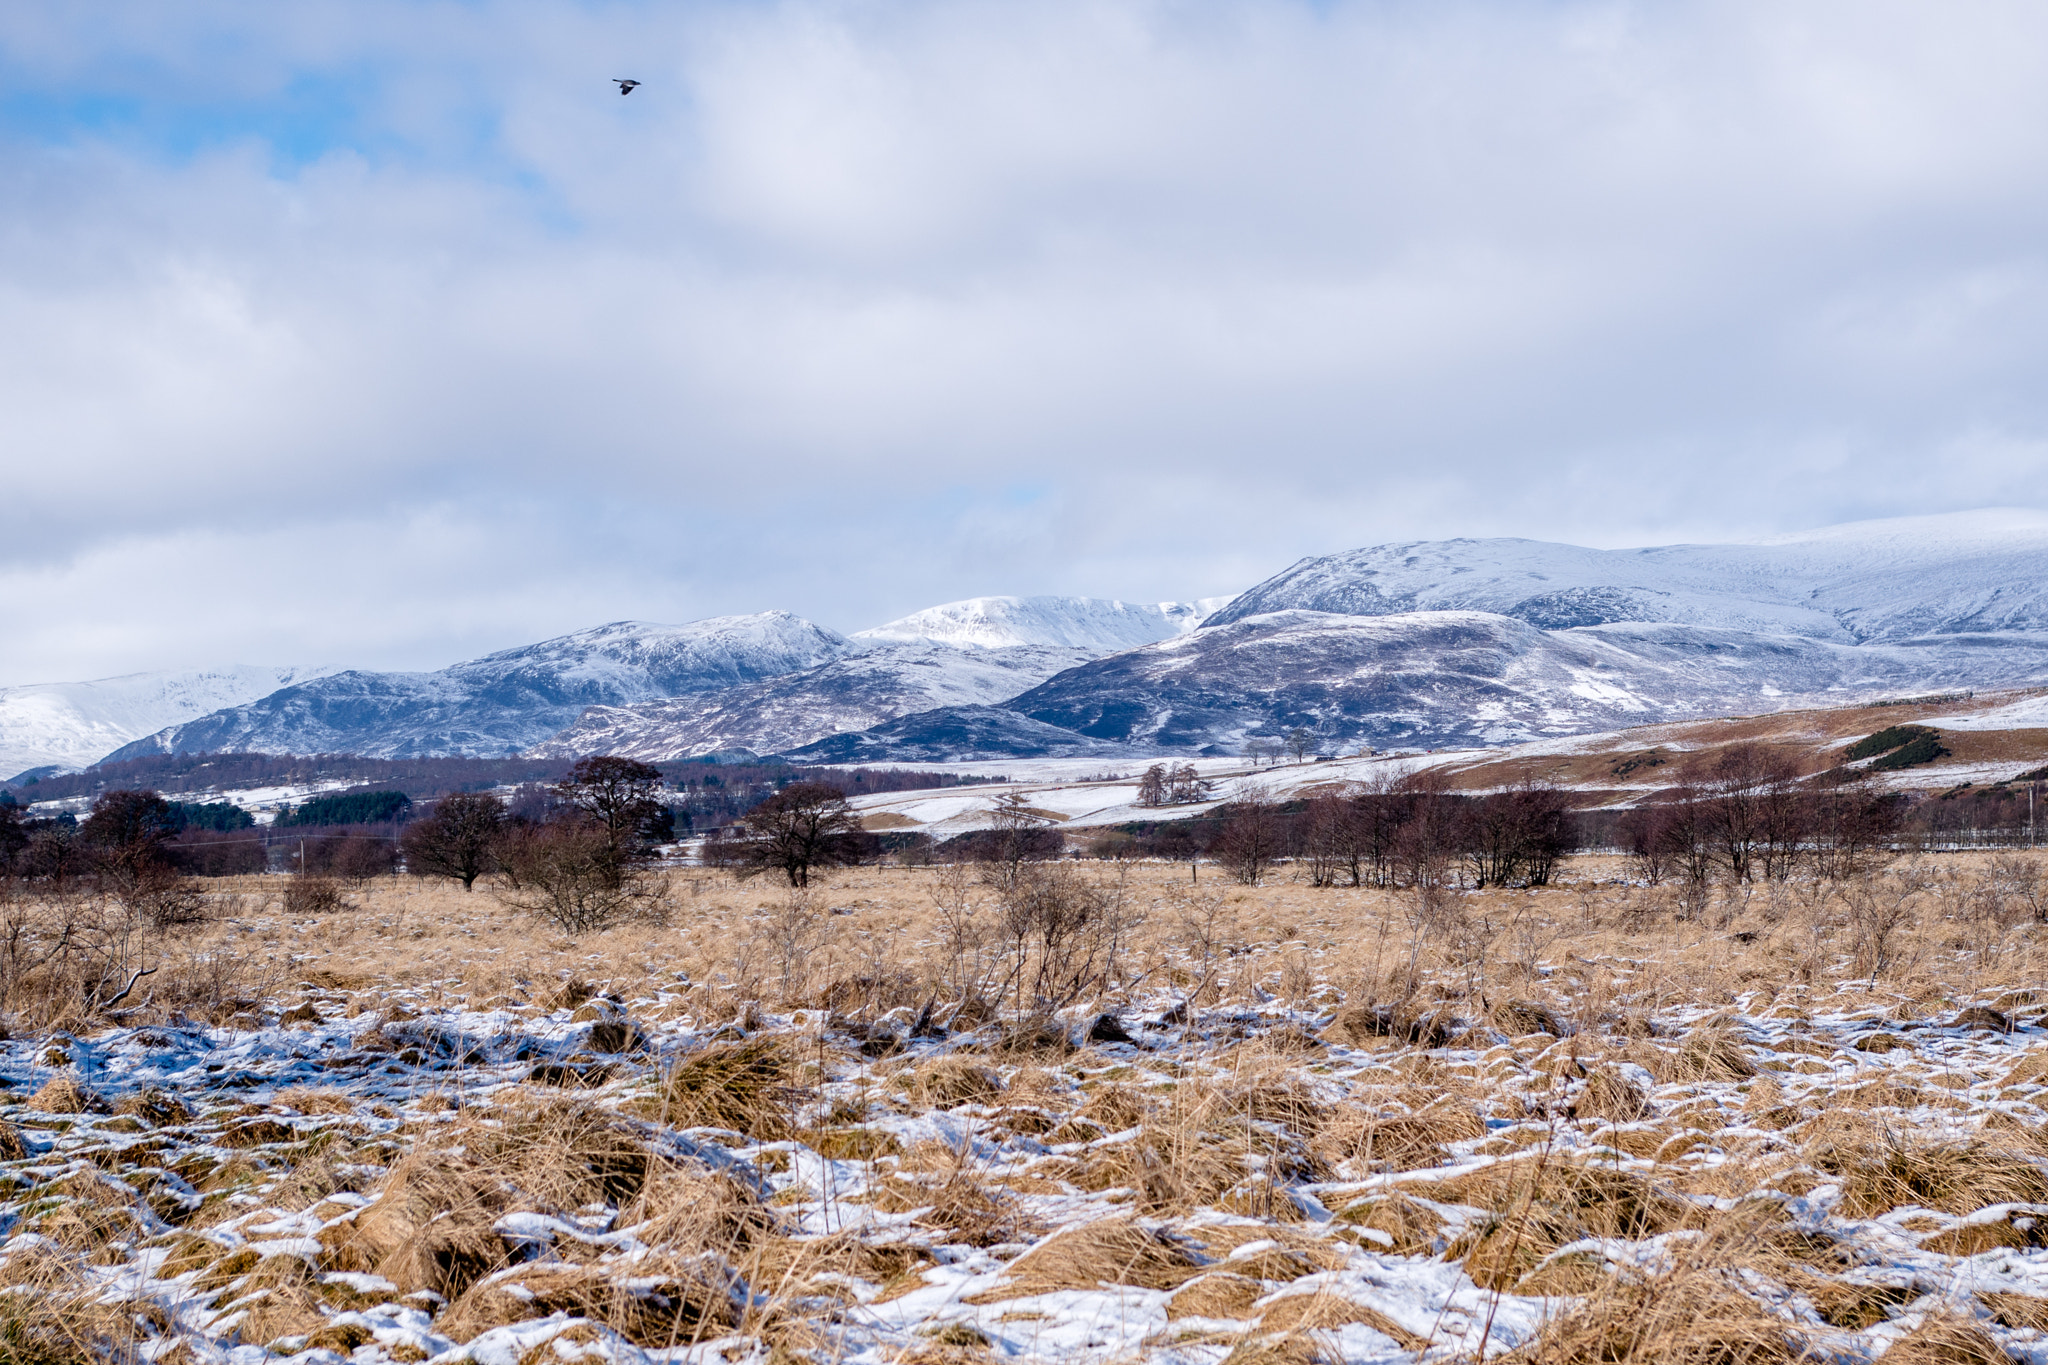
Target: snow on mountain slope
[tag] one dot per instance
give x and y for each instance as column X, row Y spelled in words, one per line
column 1865, row 581
column 507, row 701
column 1437, row 679
column 886, row 680
column 1095, row 624
column 72, row 725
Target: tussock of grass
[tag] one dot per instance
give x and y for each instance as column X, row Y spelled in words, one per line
column 1707, row 1053
column 954, row 1199
column 1396, row 1222
column 1888, row 1170
column 1116, row 1251
column 2027, row 1312
column 1693, row 1316
column 654, row 1306
column 63, row 1095
column 1850, row 1304
column 1947, row 1339
column 1610, row 1097
column 1322, row 1311
column 945, row 1082
column 1395, row 1141
column 1538, row 1205
column 1517, row 1018
column 158, row 1108
column 52, row 1313
column 1218, row 1294
column 690, row 1210
column 738, row 1086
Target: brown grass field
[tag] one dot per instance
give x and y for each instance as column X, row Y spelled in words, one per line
column 897, row 1119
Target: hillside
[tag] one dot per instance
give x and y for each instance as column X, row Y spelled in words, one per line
column 1876, row 581
column 853, row 693
column 508, row 701
column 69, row 725
column 1421, row 644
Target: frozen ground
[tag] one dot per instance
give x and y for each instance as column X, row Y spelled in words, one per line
column 1641, row 1128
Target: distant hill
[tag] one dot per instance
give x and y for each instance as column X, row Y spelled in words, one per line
column 506, row 702
column 65, row 726
column 1421, row 644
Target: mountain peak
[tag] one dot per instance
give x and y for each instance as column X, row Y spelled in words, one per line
column 1099, row 624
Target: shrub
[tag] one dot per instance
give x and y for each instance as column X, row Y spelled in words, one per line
column 568, row 873
column 313, row 895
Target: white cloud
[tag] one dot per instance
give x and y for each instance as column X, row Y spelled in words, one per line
column 854, row 308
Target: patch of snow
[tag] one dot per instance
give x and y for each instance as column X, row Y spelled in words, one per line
column 1097, row 625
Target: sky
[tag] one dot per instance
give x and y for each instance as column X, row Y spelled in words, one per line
column 386, row 334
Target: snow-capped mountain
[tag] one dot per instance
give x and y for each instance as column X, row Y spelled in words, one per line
column 1430, row 644
column 1862, row 582
column 762, row 683
column 890, row 678
column 1445, row 678
column 505, row 702
column 1419, row 644
column 1095, row 625
column 72, row 725
column 973, row 653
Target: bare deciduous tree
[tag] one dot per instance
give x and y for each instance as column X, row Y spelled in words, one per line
column 458, row 839
column 802, row 828
column 568, row 874
column 1251, row 837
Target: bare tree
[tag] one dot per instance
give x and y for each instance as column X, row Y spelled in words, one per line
column 1152, row 787
column 1329, row 839
column 127, row 835
column 458, row 839
column 1017, row 833
column 1852, row 827
column 1516, row 835
column 620, row 797
column 127, row 831
column 13, row 838
column 1640, row 831
column 1066, row 935
column 567, row 873
column 1299, row 742
column 1250, row 838
column 802, row 828
column 1752, row 810
column 1426, row 841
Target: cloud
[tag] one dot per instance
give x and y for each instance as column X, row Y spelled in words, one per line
column 401, row 310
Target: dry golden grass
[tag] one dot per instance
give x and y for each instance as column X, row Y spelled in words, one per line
column 1507, row 1041
column 1114, row 1251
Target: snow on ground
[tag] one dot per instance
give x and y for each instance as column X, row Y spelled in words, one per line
column 210, row 1114
column 261, row 802
column 2028, row 713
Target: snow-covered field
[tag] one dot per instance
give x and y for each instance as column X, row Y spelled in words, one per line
column 1075, row 793
column 770, row 1130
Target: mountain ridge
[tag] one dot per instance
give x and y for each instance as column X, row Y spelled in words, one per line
column 1477, row 641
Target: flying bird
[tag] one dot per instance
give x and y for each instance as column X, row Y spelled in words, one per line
column 625, row 87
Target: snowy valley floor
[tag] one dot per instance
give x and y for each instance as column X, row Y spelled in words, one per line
column 1571, row 1124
